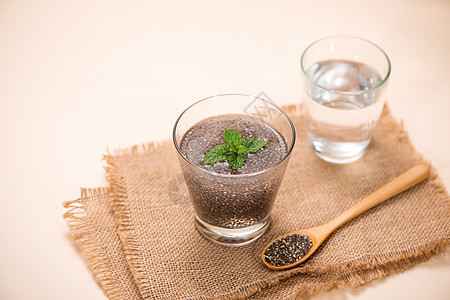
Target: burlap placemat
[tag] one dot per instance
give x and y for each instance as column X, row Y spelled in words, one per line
column 139, row 239
column 93, row 227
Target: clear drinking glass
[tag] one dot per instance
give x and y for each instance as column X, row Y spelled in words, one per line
column 233, row 207
column 345, row 80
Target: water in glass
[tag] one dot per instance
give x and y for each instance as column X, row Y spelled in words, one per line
column 343, row 105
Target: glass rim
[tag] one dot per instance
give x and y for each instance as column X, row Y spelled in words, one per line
column 380, row 84
column 285, row 115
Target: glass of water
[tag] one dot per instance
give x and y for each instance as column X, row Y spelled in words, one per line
column 345, row 80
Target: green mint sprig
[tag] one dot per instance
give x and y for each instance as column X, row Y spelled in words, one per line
column 234, row 149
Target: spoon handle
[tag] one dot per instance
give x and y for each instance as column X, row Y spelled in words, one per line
column 403, row 182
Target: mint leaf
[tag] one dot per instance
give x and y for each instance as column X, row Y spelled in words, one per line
column 236, row 160
column 253, row 145
column 242, row 149
column 234, row 150
column 216, row 154
column 233, row 139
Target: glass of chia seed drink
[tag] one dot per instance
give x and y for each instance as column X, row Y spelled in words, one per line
column 345, row 80
column 232, row 203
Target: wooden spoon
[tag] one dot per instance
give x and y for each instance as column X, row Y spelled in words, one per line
column 292, row 249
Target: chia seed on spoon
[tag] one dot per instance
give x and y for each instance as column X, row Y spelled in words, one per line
column 288, row 250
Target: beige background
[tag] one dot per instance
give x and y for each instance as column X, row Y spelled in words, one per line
column 79, row 77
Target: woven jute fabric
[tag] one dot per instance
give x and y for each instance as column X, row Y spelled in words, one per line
column 93, row 227
column 139, row 239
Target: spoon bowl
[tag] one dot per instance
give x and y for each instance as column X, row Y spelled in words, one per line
column 314, row 234
column 292, row 249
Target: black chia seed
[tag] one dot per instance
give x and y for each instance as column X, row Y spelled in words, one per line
column 288, row 250
column 228, row 201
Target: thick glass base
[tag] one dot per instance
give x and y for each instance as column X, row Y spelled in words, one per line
column 338, row 152
column 232, row 237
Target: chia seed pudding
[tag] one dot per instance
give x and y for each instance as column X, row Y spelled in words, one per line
column 230, row 198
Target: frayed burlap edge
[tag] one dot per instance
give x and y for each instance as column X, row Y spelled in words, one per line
column 92, row 250
column 352, row 279
column 125, row 225
column 379, row 266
